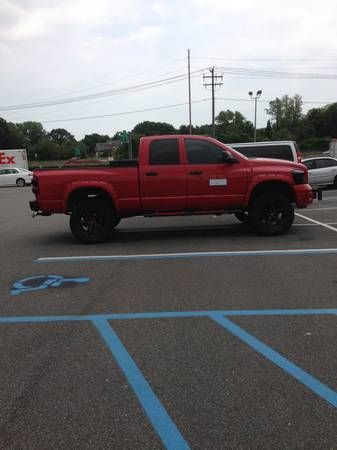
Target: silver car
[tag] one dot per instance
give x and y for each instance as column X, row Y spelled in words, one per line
column 15, row 176
column 322, row 171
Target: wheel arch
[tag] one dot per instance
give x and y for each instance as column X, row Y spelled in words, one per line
column 268, row 187
column 79, row 194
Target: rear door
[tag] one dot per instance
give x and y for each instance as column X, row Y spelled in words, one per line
column 163, row 176
column 211, row 183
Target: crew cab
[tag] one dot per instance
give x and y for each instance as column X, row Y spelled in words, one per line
column 174, row 175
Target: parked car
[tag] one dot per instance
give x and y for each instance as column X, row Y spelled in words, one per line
column 322, row 171
column 20, row 177
column 287, row 150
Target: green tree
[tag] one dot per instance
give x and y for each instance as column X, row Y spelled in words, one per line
column 90, row 141
column 148, row 128
column 286, row 112
column 330, row 115
column 10, row 135
column 269, row 130
column 315, row 118
column 61, row 136
column 232, row 126
column 32, row 132
column 46, row 150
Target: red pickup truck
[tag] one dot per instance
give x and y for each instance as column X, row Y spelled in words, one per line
column 174, row 175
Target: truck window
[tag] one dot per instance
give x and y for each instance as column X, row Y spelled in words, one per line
column 164, row 152
column 266, row 151
column 203, row 152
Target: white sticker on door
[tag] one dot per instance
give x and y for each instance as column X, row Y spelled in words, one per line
column 218, row 182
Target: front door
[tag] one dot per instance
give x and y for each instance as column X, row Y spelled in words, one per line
column 213, row 184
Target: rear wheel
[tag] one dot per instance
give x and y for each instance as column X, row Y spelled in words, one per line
column 271, row 214
column 92, row 221
column 20, row 182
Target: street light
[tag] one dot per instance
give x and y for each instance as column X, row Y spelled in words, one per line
column 258, row 95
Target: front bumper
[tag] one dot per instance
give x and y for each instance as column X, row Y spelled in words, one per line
column 304, row 195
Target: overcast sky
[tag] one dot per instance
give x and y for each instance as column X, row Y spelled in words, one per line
column 58, row 50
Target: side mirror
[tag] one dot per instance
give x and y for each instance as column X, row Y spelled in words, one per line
column 228, row 158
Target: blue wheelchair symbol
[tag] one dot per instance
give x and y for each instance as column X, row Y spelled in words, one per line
column 39, row 282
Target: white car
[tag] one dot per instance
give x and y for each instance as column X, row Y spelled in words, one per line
column 322, row 171
column 12, row 176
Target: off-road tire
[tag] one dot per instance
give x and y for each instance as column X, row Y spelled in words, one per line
column 271, row 214
column 92, row 221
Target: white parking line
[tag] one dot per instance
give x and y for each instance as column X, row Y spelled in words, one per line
column 325, row 225
column 321, row 209
column 287, row 252
column 311, row 224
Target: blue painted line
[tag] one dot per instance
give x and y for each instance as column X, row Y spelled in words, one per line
column 311, row 251
column 158, row 416
column 169, row 314
column 303, row 377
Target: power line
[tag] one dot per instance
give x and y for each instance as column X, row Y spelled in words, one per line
column 116, row 80
column 167, row 107
column 268, row 101
column 125, row 112
column 264, row 59
column 102, row 94
column 276, row 74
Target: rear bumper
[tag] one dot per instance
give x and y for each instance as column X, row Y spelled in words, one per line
column 304, row 195
column 34, row 206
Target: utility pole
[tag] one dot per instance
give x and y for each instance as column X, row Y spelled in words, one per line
column 214, row 83
column 258, row 95
column 189, row 91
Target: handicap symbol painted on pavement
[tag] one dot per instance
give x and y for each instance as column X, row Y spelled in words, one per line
column 39, row 282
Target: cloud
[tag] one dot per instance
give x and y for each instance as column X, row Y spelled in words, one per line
column 57, row 47
column 37, row 19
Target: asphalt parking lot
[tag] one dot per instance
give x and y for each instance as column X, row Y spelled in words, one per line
column 187, row 332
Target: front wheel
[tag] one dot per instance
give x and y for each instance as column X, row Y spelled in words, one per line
column 92, row 221
column 271, row 214
column 20, row 182
column 242, row 216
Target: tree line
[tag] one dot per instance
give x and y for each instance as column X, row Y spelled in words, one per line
column 287, row 121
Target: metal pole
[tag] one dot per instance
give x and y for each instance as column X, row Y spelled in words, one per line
column 213, row 100
column 130, row 146
column 255, row 119
column 189, row 91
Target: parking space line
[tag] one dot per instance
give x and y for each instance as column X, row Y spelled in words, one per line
column 329, row 227
column 287, row 252
column 311, row 224
column 158, row 416
column 168, row 314
column 303, row 377
column 321, row 209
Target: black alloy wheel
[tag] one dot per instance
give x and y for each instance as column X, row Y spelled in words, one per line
column 271, row 214
column 92, row 221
